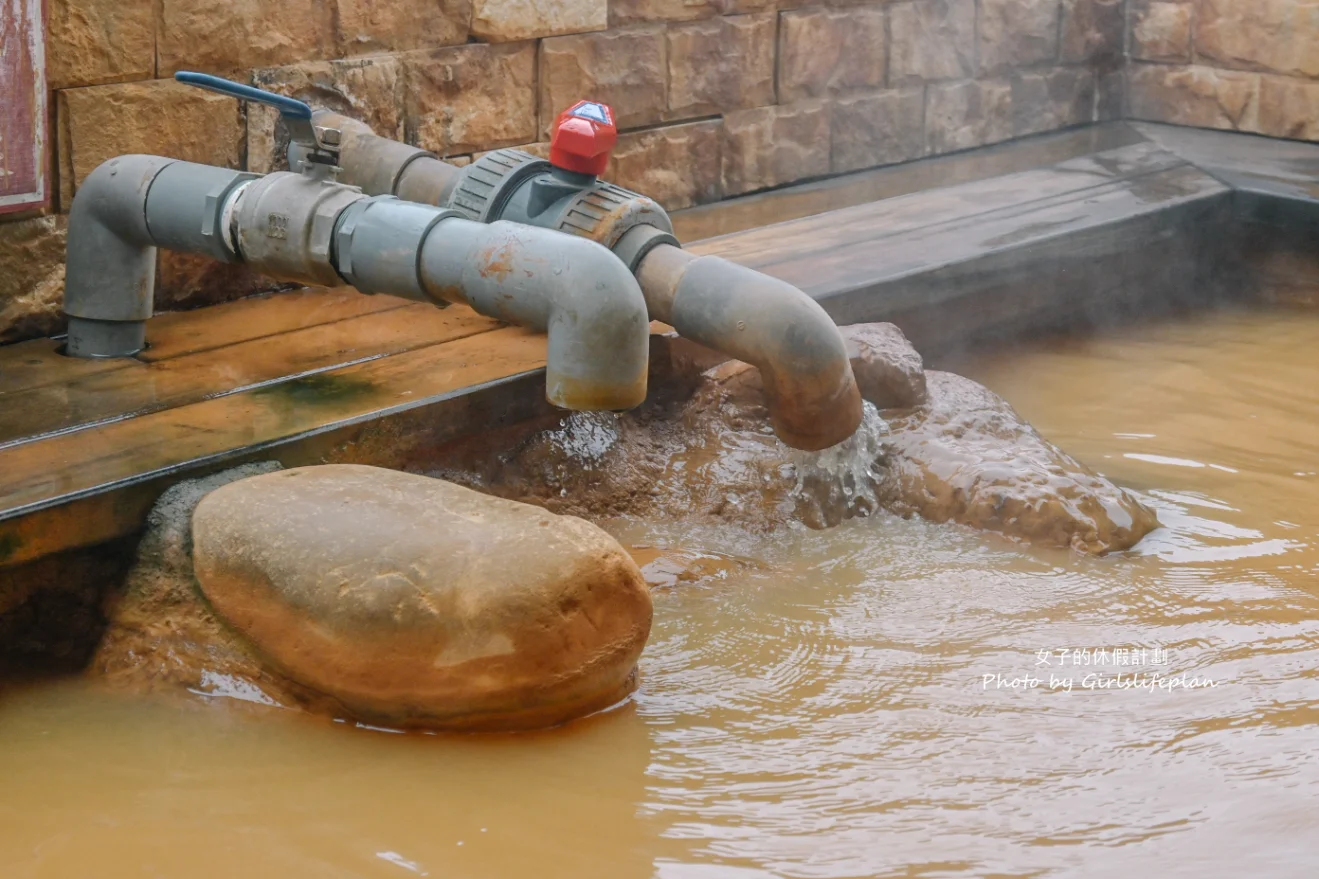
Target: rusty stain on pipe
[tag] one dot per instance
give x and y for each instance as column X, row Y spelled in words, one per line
column 813, row 399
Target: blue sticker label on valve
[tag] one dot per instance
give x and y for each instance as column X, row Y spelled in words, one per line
column 595, row 112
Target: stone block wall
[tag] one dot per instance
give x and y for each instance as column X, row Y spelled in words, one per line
column 716, row 98
column 1240, row 65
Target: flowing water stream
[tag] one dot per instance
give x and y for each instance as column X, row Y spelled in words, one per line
column 886, row 698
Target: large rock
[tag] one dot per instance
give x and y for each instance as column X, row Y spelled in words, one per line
column 889, row 371
column 968, row 457
column 414, row 602
column 959, row 454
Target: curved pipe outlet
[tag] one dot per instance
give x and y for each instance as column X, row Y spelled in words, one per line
column 110, row 271
column 813, row 399
column 574, row 289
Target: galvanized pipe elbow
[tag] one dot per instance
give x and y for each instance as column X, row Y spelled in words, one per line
column 573, row 289
column 813, row 399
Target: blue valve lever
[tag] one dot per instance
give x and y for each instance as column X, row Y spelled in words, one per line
column 296, row 114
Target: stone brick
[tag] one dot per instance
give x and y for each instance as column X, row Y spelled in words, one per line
column 1280, row 36
column 625, row 12
column 678, row 166
column 237, row 35
column 158, row 117
column 502, row 21
column 624, row 68
column 878, row 129
column 1112, row 94
column 471, row 97
column 89, row 42
column 828, row 51
column 1052, row 99
column 364, row 26
column 721, row 64
column 962, row 115
column 1199, row 96
column 367, row 89
column 31, row 277
column 1161, row 31
column 1289, row 108
column 1092, row 31
column 932, row 39
column 1017, row 33
column 771, row 146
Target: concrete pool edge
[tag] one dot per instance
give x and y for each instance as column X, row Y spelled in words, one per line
column 1136, row 211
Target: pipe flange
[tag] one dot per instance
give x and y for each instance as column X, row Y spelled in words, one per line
column 486, row 184
column 604, row 213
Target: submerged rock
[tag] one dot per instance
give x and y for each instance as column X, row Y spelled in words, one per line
column 945, row 448
column 889, row 371
column 966, row 456
column 389, row 597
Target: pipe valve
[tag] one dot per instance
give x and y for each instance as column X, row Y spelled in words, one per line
column 319, row 147
column 583, row 137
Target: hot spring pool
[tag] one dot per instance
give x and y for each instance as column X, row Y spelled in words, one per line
column 832, row 704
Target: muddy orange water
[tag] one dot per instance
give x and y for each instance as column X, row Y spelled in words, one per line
column 829, row 705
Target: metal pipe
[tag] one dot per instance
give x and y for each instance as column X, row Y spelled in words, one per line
column 380, row 166
column 813, row 398
column 111, row 249
column 306, row 228
column 573, row 289
column 812, row 395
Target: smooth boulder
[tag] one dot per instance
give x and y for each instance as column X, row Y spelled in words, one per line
column 416, row 602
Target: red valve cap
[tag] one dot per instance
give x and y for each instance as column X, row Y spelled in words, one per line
column 582, row 138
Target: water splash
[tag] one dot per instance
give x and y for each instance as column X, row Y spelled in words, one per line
column 585, row 437
column 841, row 482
